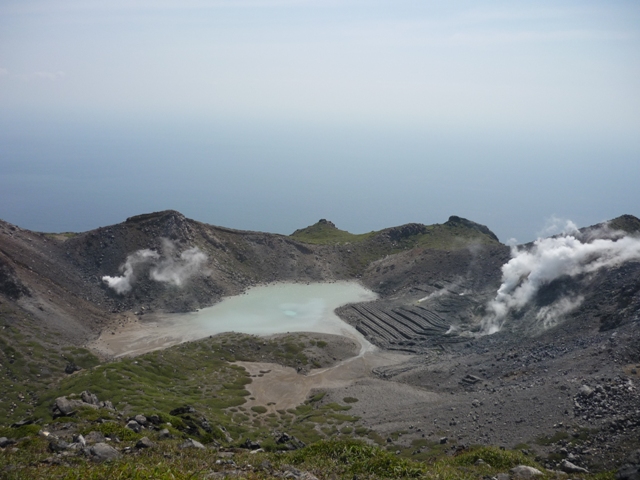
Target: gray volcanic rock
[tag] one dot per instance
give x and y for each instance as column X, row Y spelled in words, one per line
column 524, row 471
column 567, row 466
column 101, row 452
column 66, row 407
column 5, row 442
column 63, row 406
column 94, row 437
column 144, row 442
column 133, row 425
column 191, row 443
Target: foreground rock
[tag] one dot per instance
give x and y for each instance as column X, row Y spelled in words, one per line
column 68, row 406
column 191, row 443
column 5, row 442
column 524, row 471
column 101, row 452
column 568, row 467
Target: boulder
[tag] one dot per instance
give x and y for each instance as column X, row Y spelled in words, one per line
column 141, row 419
column 144, row 442
column 94, row 437
column 56, row 445
column 586, row 390
column 164, row 433
column 90, row 398
column 5, row 442
column 191, row 443
column 101, row 452
column 20, row 423
column 80, row 440
column 568, row 467
column 250, row 445
column 525, row 471
column 290, row 442
column 182, row 410
column 628, row 472
column 154, row 419
column 71, row 368
column 65, row 407
column 133, row 425
column 292, row 472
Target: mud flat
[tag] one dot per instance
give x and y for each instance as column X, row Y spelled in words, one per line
column 280, row 387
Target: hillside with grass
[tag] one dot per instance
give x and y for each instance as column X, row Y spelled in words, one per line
column 178, row 414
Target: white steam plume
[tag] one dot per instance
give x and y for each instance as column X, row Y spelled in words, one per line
column 176, row 272
column 124, row 283
column 168, row 268
column 547, row 260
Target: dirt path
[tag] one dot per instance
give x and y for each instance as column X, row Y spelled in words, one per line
column 278, row 387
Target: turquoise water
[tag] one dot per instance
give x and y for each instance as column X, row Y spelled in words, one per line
column 265, row 310
column 281, row 308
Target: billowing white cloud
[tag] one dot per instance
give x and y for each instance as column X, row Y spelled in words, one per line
column 549, row 259
column 124, row 283
column 170, row 267
column 177, row 271
column 555, row 225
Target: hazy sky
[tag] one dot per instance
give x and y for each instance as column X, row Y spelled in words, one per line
column 268, row 115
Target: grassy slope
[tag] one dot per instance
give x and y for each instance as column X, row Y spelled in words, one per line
column 365, row 248
column 447, row 236
column 30, row 368
column 200, row 374
column 336, row 459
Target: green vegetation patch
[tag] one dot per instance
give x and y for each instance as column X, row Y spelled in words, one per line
column 339, row 459
column 326, row 233
column 30, row 367
column 359, row 251
column 352, row 457
column 157, row 382
column 497, row 458
column 555, row 438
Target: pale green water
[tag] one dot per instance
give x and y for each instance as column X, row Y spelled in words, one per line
column 265, row 310
column 280, row 308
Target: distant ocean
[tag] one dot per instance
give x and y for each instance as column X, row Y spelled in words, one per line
column 75, row 174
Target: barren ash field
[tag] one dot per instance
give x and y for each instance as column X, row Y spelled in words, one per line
column 163, row 347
